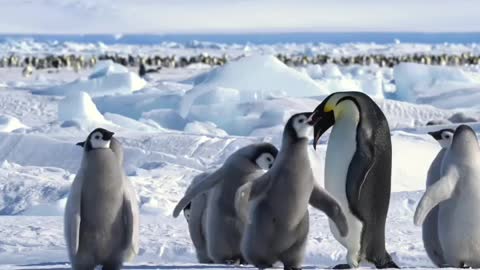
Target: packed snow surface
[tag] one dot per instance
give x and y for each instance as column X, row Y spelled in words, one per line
column 165, row 149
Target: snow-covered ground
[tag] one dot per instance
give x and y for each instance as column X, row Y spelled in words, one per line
column 180, row 122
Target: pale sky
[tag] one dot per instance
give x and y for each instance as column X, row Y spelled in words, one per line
column 213, row 16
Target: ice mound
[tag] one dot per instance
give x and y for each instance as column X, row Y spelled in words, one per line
column 364, row 79
column 9, row 123
column 78, row 107
column 461, row 117
column 56, row 208
column 332, row 71
column 107, row 79
column 417, row 82
column 207, row 128
column 105, row 68
column 243, row 118
column 166, row 118
column 130, row 123
column 136, row 104
column 250, row 78
column 402, row 114
column 465, row 98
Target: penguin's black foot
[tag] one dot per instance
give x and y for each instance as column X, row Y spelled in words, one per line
column 231, row 262
column 465, row 266
column 263, row 266
column 390, row 264
column 291, row 268
column 243, row 261
column 342, row 266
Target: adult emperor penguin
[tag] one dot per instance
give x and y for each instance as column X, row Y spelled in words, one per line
column 358, row 172
column 195, row 213
column 278, row 219
column 101, row 220
column 224, row 227
column 457, row 193
column 430, row 226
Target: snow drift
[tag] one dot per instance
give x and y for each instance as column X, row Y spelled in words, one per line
column 79, row 107
column 417, row 82
column 248, row 79
column 107, row 79
column 10, row 123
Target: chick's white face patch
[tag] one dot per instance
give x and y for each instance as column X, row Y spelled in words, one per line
column 265, row 161
column 97, row 141
column 301, row 126
column 446, row 139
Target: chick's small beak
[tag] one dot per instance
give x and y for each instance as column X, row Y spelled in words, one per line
column 81, row 144
column 313, row 119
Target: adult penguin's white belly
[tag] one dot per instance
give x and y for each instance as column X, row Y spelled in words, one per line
column 340, row 150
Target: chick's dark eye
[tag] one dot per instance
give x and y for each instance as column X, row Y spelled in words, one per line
column 301, row 121
column 269, row 159
column 97, row 137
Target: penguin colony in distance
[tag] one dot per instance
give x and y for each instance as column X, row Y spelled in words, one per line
column 222, row 226
column 101, row 219
column 455, row 193
column 155, row 63
column 241, row 214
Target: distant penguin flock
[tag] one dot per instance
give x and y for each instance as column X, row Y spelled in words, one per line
column 154, row 63
column 254, row 209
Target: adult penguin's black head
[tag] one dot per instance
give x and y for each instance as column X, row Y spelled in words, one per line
column 99, row 138
column 333, row 108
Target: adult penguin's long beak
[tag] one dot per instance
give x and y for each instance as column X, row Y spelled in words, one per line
column 321, row 122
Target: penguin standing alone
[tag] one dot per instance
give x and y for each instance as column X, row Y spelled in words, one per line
column 101, row 219
column 358, row 172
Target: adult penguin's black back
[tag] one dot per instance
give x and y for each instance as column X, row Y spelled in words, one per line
column 373, row 162
column 368, row 174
